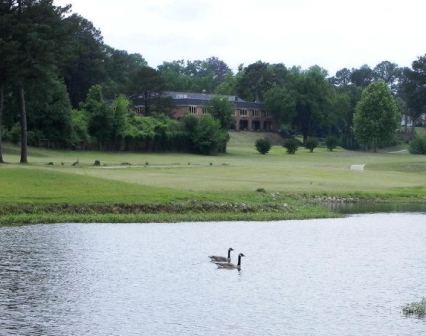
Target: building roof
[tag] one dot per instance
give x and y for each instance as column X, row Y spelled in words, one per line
column 193, row 98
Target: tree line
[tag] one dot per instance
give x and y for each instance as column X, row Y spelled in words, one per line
column 61, row 85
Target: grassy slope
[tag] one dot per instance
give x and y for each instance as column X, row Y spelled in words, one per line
column 184, row 177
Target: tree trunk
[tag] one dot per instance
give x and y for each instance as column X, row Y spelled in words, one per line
column 24, row 132
column 1, row 116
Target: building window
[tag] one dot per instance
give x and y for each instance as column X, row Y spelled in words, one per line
column 243, row 113
column 255, row 113
column 205, row 110
column 192, row 109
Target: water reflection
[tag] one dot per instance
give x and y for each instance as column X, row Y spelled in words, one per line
column 378, row 207
column 321, row 277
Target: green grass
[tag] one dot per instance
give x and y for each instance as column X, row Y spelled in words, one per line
column 178, row 177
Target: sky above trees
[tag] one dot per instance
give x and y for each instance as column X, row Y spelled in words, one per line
column 331, row 33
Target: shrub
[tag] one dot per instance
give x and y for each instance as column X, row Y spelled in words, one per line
column 331, row 143
column 418, row 145
column 311, row 144
column 208, row 138
column 291, row 145
column 97, row 163
column 14, row 134
column 415, row 308
column 263, row 146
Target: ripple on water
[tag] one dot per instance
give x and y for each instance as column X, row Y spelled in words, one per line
column 345, row 276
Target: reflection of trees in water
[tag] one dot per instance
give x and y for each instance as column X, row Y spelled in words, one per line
column 376, row 207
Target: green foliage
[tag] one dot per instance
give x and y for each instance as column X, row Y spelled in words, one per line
column 280, row 103
column 120, row 107
column 14, row 134
column 263, row 145
column 208, row 137
column 331, row 142
column 377, row 116
column 198, row 76
column 49, row 112
column 415, row 308
column 255, row 80
column 311, row 144
column 413, row 89
column 291, row 145
column 221, row 109
column 418, row 145
column 79, row 125
column 100, row 116
column 148, row 83
column 313, row 101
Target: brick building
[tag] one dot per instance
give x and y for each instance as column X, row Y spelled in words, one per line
column 247, row 115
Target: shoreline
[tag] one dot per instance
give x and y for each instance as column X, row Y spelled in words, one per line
column 193, row 211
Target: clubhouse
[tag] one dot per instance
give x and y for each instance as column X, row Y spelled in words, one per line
column 248, row 116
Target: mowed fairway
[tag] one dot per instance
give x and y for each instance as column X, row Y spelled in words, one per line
column 242, row 170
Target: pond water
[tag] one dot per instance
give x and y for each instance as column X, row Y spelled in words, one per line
column 345, row 276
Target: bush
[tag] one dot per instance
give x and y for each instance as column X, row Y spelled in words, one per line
column 291, row 145
column 208, row 137
column 331, row 143
column 263, row 146
column 311, row 144
column 14, row 134
column 418, row 145
column 415, row 308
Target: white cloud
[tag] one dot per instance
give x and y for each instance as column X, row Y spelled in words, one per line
column 331, row 33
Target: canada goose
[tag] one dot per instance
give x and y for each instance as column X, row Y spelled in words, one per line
column 229, row 265
column 224, row 259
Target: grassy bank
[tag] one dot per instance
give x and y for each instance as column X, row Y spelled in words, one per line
column 116, row 190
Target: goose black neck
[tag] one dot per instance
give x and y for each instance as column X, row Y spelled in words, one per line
column 239, row 260
column 229, row 254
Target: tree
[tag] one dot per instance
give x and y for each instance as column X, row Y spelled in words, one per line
column 120, row 108
column 331, row 143
column 263, row 146
column 8, row 50
column 311, row 144
column 342, row 77
column 198, row 76
column 280, row 103
column 148, row 84
column 254, row 81
column 100, row 116
column 39, row 34
column 363, row 76
column 418, row 145
column 208, row 137
column 389, row 73
column 413, row 89
column 50, row 108
column 84, row 64
column 377, row 116
column 119, row 68
column 221, row 109
column 291, row 145
column 313, row 101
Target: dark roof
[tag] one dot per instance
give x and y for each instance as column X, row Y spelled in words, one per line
column 193, row 98
column 202, row 99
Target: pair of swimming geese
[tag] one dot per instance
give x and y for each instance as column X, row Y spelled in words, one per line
column 225, row 262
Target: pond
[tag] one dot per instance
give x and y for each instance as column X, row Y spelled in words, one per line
column 348, row 276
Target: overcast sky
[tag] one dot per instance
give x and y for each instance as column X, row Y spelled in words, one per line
column 331, row 33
